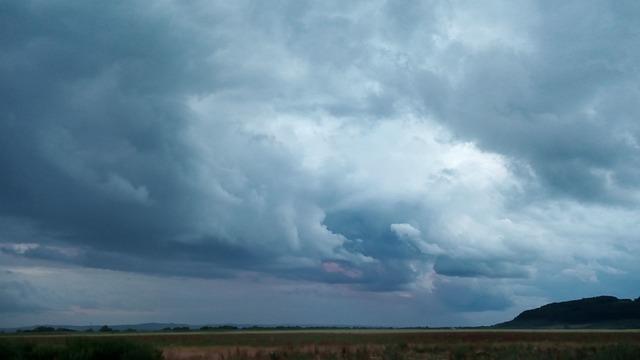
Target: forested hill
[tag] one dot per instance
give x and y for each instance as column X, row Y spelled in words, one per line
column 604, row 312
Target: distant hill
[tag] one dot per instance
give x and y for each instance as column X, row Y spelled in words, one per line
column 601, row 312
column 169, row 327
column 67, row 328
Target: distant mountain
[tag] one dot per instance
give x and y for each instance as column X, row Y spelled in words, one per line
column 601, row 312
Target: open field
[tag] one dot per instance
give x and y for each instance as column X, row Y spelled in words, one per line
column 371, row 344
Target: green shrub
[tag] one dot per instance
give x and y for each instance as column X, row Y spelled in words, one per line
column 80, row 349
column 619, row 352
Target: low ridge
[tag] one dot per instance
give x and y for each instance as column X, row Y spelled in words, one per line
column 600, row 312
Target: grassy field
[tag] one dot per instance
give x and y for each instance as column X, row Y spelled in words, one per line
column 364, row 344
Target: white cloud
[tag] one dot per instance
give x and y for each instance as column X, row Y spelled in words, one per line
column 409, row 233
column 493, row 24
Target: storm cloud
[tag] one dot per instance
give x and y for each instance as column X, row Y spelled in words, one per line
column 459, row 162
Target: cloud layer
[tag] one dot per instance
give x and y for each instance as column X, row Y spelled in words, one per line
column 469, row 160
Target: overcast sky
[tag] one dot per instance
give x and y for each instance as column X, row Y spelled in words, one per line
column 396, row 163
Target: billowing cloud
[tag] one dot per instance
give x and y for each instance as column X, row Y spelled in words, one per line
column 358, row 153
column 413, row 236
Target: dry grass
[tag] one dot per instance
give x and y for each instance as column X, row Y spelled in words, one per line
column 382, row 344
column 394, row 345
column 269, row 353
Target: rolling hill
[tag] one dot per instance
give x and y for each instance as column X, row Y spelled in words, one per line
column 600, row 312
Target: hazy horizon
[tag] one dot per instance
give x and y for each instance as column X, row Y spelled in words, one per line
column 379, row 163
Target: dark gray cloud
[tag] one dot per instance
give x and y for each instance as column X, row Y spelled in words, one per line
column 397, row 151
column 477, row 268
column 75, row 118
column 474, row 297
column 561, row 104
column 17, row 297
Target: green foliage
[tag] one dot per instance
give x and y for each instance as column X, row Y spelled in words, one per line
column 618, row 352
column 64, row 330
column 219, row 328
column 79, row 349
column 105, row 328
column 177, row 328
column 44, row 329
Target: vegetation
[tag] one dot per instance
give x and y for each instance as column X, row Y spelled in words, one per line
column 219, row 328
column 177, row 328
column 46, row 329
column 402, row 344
column 344, row 344
column 78, row 348
column 454, row 352
column 105, row 328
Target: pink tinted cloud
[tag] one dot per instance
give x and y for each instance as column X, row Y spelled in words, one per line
column 336, row 268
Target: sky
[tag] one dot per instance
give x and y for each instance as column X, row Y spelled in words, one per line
column 369, row 163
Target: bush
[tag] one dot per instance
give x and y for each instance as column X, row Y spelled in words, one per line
column 80, row 349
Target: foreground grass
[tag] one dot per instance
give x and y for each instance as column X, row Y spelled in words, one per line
column 333, row 344
column 79, row 348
